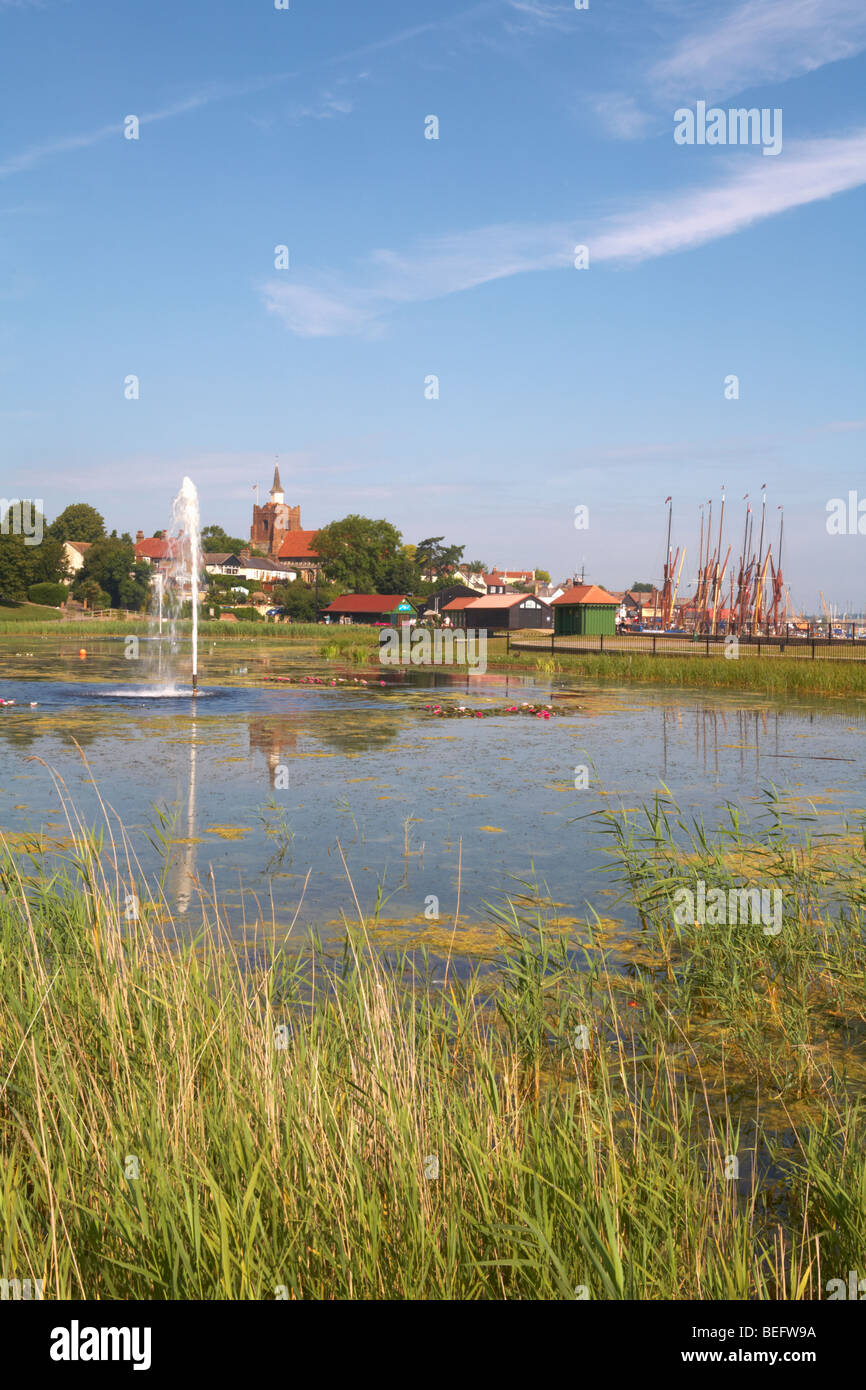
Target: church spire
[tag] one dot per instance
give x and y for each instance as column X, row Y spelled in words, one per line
column 277, row 495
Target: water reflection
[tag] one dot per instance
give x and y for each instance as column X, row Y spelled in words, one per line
column 761, row 739
column 182, row 882
column 369, row 767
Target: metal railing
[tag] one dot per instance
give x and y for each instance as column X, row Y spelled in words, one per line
column 810, row 644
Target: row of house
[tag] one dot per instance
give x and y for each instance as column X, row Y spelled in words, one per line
column 296, row 558
column 580, row 609
column 474, row 601
column 255, row 569
column 465, row 610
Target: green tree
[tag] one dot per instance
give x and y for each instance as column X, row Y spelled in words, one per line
column 23, row 562
column 14, row 568
column 363, row 556
column 87, row 591
column 436, row 559
column 48, row 563
column 112, row 564
column 78, row 522
column 215, row 540
column 640, row 588
column 299, row 599
column 542, row 576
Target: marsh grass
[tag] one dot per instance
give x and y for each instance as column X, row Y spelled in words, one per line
column 19, row 618
column 283, row 1104
column 359, row 652
column 94, row 628
column 773, row 675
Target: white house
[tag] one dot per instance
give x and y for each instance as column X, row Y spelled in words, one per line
column 75, row 553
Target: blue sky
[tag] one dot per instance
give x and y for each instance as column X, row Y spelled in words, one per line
column 559, row 387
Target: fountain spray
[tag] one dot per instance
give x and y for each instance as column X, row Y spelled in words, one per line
column 185, row 518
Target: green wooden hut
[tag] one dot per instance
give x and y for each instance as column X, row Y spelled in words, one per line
column 585, row 610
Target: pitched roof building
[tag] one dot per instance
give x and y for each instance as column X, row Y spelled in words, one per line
column 75, row 553
column 584, row 609
column 499, row 611
column 156, row 549
column 371, row 608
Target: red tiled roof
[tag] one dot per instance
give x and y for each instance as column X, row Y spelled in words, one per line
column 586, row 593
column 151, row 548
column 365, row 603
column 503, row 601
column 458, row 603
column 298, row 545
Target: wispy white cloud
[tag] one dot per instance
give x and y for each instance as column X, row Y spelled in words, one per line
column 326, row 108
column 446, row 22
column 428, row 271
column 329, row 104
column 537, row 15
column 621, row 116
column 761, row 41
column 36, row 153
column 311, row 312
column 27, row 159
column 811, row 172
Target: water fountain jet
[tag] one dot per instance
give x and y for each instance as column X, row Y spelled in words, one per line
column 178, row 580
column 186, row 560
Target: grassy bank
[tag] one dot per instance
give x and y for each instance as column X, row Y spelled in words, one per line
column 208, row 1124
column 94, row 628
column 28, row 617
column 773, row 676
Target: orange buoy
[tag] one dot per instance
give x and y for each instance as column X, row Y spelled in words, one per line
column 82, row 651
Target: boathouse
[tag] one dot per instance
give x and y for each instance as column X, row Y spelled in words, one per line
column 500, row 611
column 383, row 610
column 585, row 610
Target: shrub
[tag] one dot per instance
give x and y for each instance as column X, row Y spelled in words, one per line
column 241, row 615
column 51, row 595
column 89, row 592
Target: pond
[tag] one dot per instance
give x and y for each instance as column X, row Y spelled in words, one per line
column 269, row 787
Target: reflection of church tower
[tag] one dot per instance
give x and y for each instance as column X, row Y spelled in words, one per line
column 273, row 522
column 276, row 739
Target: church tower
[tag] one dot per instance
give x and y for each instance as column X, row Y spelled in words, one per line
column 273, row 521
